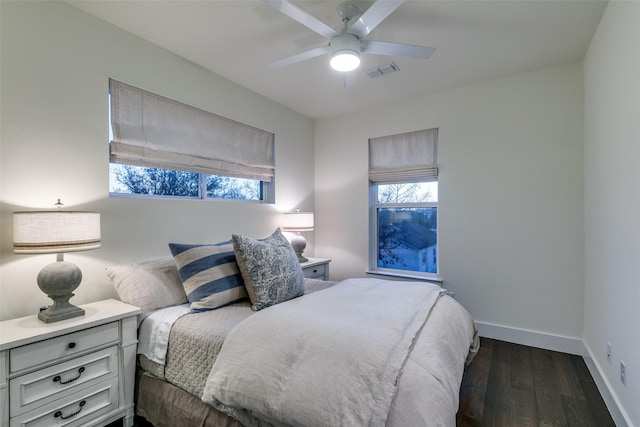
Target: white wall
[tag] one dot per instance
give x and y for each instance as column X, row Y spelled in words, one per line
column 511, row 195
column 612, row 201
column 56, row 61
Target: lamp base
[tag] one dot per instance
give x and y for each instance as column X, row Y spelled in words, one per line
column 61, row 309
column 299, row 243
column 58, row 280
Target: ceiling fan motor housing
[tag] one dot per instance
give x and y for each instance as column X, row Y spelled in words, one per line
column 345, row 52
column 345, row 41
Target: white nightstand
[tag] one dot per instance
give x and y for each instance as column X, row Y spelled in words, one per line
column 76, row 372
column 316, row 268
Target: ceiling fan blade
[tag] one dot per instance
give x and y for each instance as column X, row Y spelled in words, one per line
column 397, row 49
column 301, row 16
column 374, row 16
column 299, row 57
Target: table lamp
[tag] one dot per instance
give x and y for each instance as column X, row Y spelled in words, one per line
column 298, row 221
column 44, row 232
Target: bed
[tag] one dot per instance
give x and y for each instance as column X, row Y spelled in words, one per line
column 268, row 347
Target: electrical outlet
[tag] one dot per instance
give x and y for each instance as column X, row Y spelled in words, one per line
column 609, row 352
column 623, row 373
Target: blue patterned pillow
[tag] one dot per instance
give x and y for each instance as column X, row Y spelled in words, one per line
column 209, row 274
column 270, row 269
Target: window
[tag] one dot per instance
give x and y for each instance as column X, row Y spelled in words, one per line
column 132, row 180
column 403, row 177
column 407, row 226
column 161, row 147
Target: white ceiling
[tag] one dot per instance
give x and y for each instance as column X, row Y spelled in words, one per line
column 476, row 41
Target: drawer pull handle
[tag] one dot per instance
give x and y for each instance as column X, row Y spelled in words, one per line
column 57, row 378
column 58, row 414
column 71, row 345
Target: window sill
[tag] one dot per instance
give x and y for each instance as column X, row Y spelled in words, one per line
column 433, row 279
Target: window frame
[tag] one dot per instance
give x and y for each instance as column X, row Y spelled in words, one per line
column 267, row 191
column 374, row 205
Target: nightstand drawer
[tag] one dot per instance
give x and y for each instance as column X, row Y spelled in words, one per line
column 55, row 382
column 76, row 410
column 50, row 350
column 317, row 271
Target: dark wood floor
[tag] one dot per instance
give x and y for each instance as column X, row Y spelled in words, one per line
column 515, row 385
column 519, row 386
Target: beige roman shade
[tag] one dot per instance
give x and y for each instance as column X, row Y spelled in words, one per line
column 406, row 157
column 155, row 131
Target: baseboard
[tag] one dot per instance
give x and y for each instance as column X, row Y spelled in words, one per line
column 609, row 396
column 565, row 345
column 531, row 338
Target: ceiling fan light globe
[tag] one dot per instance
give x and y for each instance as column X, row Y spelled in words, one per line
column 345, row 60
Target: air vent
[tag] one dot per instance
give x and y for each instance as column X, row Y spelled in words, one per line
column 382, row 70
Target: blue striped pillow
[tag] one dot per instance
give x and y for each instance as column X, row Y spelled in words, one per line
column 209, row 274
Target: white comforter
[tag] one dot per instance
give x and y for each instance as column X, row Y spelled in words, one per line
column 346, row 356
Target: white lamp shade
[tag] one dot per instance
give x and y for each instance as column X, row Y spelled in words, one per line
column 297, row 221
column 43, row 232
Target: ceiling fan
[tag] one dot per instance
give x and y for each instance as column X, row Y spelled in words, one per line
column 346, row 46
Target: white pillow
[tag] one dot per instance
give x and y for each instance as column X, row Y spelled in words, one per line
column 149, row 285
